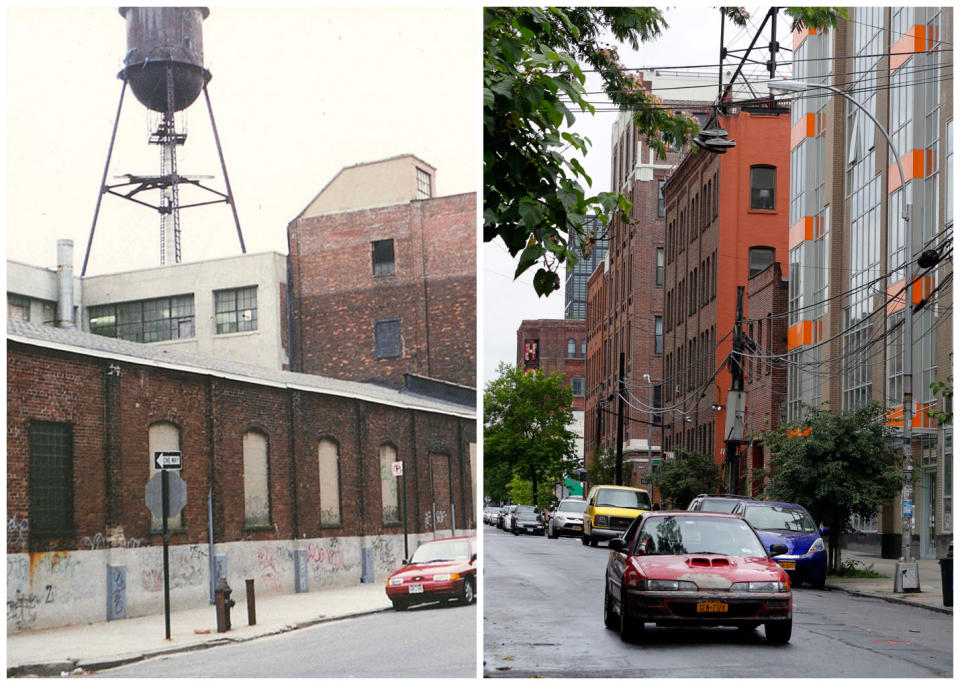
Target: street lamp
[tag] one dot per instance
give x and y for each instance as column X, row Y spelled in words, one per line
column 905, row 568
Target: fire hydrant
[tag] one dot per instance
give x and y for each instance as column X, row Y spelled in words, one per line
column 224, row 603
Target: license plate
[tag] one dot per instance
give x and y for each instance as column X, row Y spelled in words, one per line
column 789, row 565
column 711, row 607
column 575, row 527
column 414, row 589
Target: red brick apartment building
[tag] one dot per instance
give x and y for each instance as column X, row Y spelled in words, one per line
column 383, row 277
column 555, row 345
column 726, row 220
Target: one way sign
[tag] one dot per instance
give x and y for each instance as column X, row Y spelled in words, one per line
column 168, row 461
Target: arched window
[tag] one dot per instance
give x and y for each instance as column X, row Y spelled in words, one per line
column 389, row 492
column 763, row 186
column 163, row 436
column 329, row 459
column 256, row 496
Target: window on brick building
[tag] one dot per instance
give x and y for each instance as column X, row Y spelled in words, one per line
column 328, row 452
column 759, row 259
column 583, row 348
column 658, row 335
column 51, row 478
column 163, row 437
column 763, row 182
column 387, row 341
column 389, row 492
column 235, row 309
column 660, row 266
column 256, row 494
column 571, row 348
column 576, row 384
column 661, row 207
column 424, row 184
column 383, row 262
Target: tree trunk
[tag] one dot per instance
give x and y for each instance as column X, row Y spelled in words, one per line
column 533, row 480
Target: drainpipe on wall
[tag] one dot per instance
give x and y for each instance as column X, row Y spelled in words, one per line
column 65, row 283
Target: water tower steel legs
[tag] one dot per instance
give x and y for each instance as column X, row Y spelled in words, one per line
column 103, row 181
column 223, row 165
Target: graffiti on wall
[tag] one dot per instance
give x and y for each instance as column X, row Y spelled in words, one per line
column 18, row 530
column 22, row 609
column 326, row 559
column 188, row 568
column 384, row 553
column 113, row 539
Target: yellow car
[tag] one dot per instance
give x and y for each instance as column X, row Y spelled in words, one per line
column 609, row 511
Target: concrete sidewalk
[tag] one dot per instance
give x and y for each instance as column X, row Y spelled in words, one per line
column 86, row 648
column 931, row 584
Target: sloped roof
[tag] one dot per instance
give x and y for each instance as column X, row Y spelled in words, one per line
column 77, row 342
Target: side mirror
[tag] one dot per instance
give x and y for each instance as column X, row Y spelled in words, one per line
column 473, row 558
column 824, row 531
column 777, row 549
column 617, row 544
column 406, row 561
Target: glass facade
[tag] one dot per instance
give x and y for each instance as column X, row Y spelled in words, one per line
column 164, row 318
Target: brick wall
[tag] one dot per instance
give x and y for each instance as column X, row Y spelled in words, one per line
column 111, row 406
column 337, row 299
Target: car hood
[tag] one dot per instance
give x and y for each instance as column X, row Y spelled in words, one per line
column 617, row 511
column 709, row 571
column 797, row 543
column 420, row 571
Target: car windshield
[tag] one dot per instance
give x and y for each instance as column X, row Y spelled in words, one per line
column 719, row 506
column 441, row 550
column 525, row 507
column 780, row 518
column 525, row 515
column 699, row 535
column 576, row 506
column 625, row 499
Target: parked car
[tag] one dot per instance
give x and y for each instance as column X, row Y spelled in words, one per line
column 567, row 518
column 527, row 520
column 721, row 504
column 506, row 516
column 685, row 568
column 527, row 508
column 439, row 570
column 489, row 515
column 609, row 511
column 792, row 525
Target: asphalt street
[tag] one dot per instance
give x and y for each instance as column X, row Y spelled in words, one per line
column 543, row 617
column 424, row 642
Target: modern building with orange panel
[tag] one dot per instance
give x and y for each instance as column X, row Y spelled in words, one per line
column 851, row 252
column 726, row 220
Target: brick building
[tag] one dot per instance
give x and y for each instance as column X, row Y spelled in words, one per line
column 847, row 235
column 726, row 219
column 383, row 277
column 297, row 469
column 765, row 377
column 557, row 345
column 631, row 320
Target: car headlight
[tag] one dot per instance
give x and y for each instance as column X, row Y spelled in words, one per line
column 396, row 581
column 446, row 576
column 817, row 546
column 666, row 585
column 760, row 586
column 603, row 521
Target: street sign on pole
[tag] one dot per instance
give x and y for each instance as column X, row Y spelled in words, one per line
column 166, row 495
column 397, row 467
column 176, row 497
column 169, row 460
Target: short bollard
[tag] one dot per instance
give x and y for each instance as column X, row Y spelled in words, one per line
column 224, row 604
column 251, row 604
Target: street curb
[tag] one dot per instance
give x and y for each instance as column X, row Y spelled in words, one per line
column 55, row 668
column 892, row 600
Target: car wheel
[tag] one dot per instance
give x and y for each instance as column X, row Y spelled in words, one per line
column 818, row 584
column 467, row 596
column 400, row 604
column 516, row 531
column 778, row 632
column 631, row 630
column 609, row 618
column 594, row 540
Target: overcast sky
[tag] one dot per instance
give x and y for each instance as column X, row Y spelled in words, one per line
column 297, row 94
column 692, row 39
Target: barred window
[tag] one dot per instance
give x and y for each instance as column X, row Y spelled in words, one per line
column 236, row 309
column 51, row 478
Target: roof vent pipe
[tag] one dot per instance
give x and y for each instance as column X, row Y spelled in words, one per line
column 64, row 283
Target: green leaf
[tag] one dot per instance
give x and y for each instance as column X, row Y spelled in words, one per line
column 531, row 211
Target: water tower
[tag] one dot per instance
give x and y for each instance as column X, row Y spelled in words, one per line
column 164, row 69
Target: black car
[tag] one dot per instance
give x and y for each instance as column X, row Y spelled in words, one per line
column 527, row 519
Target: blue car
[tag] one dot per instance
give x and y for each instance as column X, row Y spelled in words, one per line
column 792, row 525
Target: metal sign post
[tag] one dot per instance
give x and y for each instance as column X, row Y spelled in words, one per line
column 172, row 498
column 398, row 472
column 165, row 496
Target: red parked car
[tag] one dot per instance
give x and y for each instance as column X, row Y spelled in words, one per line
column 687, row 568
column 439, row 570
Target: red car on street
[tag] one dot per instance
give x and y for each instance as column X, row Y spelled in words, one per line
column 689, row 568
column 437, row 571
